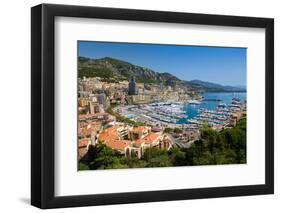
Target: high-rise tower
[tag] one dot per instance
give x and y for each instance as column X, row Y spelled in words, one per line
column 133, row 86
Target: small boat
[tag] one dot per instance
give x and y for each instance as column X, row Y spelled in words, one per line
column 222, row 105
column 195, row 102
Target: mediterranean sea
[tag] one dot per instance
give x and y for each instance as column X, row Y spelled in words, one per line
column 210, row 102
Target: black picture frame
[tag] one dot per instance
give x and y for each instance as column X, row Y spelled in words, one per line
column 43, row 105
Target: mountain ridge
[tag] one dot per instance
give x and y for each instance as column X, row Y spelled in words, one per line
column 210, row 86
column 114, row 70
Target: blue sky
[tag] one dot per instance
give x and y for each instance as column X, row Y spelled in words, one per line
column 226, row 66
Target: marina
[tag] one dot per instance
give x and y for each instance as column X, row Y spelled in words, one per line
column 216, row 110
column 191, row 111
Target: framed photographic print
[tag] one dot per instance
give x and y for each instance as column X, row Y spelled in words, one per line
column 139, row 106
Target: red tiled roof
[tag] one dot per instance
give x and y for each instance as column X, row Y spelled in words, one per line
column 150, row 138
column 110, row 138
column 83, row 143
column 109, row 134
column 118, row 144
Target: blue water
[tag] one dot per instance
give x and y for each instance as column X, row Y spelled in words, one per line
column 192, row 110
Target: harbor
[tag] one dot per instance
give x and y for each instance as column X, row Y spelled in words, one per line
column 191, row 111
column 219, row 111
